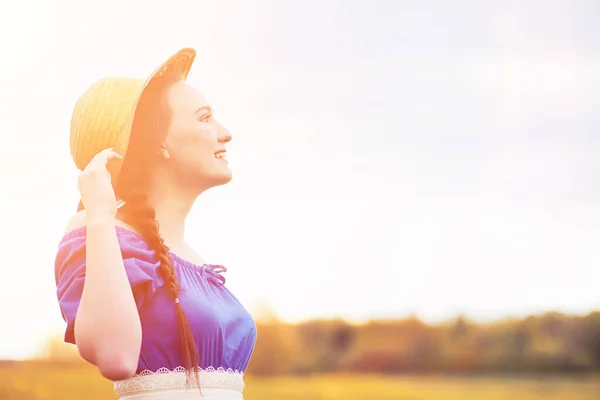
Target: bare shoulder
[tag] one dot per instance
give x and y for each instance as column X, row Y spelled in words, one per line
column 79, row 221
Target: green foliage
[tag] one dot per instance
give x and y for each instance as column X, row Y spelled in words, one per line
column 546, row 343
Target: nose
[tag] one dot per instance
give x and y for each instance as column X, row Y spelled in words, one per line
column 224, row 135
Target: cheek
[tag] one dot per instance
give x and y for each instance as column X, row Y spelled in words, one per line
column 193, row 145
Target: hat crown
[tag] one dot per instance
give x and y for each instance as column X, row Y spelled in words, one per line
column 102, row 118
column 103, row 115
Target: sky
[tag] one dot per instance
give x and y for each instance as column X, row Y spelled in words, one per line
column 390, row 158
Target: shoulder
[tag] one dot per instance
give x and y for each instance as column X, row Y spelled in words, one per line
column 71, row 253
column 79, row 220
column 74, row 238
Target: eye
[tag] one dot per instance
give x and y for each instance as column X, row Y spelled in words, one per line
column 205, row 116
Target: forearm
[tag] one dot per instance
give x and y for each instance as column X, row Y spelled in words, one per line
column 107, row 328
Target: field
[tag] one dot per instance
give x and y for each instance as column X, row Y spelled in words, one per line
column 39, row 380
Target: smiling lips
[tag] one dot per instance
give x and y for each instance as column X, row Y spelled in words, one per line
column 221, row 155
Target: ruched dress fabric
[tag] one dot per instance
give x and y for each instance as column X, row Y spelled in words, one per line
column 225, row 332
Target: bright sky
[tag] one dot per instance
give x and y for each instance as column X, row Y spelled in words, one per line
column 389, row 157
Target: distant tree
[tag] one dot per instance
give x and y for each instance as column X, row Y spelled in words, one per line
column 520, row 340
column 342, row 338
column 590, row 336
column 460, row 328
column 325, row 344
column 553, row 324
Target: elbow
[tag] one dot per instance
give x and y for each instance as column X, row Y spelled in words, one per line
column 117, row 367
column 112, row 366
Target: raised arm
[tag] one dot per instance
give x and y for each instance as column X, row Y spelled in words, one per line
column 108, row 331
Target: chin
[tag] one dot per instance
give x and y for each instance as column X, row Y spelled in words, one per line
column 222, row 178
column 225, row 180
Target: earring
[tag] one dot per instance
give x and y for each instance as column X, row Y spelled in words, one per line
column 164, row 153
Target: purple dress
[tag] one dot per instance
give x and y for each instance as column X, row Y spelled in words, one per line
column 224, row 331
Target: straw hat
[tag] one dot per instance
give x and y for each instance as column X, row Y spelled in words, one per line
column 103, row 115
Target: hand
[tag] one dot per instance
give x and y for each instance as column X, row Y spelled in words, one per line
column 97, row 193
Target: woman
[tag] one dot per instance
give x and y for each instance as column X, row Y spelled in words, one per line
column 139, row 303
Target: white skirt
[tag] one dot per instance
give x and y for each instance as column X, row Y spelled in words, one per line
column 164, row 384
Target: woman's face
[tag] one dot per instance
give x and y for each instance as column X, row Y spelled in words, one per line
column 195, row 141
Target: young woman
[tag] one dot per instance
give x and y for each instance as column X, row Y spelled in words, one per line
column 139, row 303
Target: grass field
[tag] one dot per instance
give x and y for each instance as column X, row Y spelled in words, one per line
column 35, row 380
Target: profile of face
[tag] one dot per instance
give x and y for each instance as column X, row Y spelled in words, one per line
column 194, row 144
column 176, row 135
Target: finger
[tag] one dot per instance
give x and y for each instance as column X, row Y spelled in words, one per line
column 104, row 156
column 113, row 155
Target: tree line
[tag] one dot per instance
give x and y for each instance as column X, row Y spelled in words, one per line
column 551, row 342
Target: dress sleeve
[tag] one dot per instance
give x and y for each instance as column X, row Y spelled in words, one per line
column 69, row 269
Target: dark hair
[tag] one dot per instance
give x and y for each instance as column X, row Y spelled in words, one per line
column 149, row 127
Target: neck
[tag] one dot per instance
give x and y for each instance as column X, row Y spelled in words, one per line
column 172, row 205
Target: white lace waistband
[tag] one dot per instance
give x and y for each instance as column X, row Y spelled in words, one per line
column 148, row 382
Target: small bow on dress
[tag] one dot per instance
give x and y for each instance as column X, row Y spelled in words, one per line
column 213, row 274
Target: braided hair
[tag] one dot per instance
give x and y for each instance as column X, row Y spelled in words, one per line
column 149, row 127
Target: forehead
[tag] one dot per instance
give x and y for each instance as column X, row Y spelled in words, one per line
column 183, row 97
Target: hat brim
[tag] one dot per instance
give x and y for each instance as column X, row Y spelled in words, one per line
column 177, row 66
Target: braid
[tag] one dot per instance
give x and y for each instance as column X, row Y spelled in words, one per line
column 140, row 215
column 149, row 127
